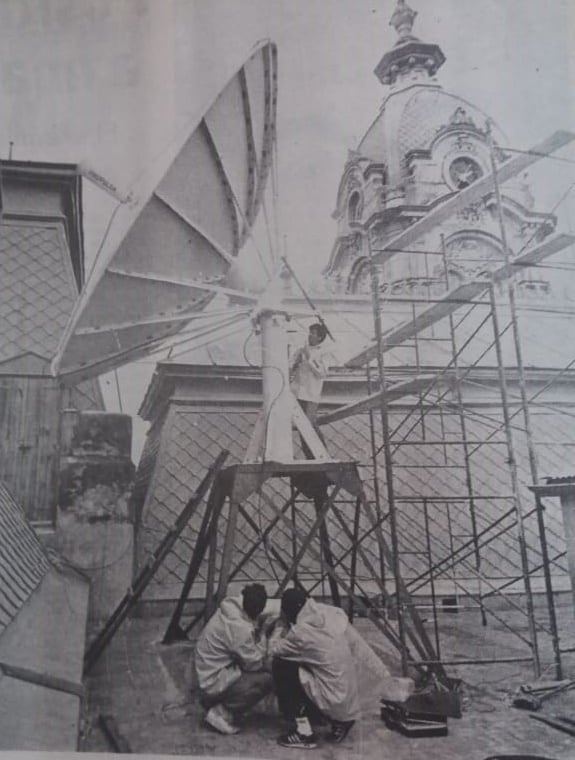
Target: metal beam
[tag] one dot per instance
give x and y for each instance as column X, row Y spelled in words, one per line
column 457, row 297
column 472, row 194
column 394, row 392
column 251, row 145
column 158, row 319
column 195, row 226
column 185, row 282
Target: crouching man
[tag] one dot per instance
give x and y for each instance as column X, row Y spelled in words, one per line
column 230, row 660
column 313, row 671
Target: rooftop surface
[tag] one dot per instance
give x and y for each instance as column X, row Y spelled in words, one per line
column 146, row 687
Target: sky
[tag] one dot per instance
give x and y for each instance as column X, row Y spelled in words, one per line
column 113, row 82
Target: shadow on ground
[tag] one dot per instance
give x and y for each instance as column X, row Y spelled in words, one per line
column 145, row 686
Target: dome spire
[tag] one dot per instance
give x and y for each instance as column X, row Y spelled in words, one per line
column 409, row 55
column 402, row 20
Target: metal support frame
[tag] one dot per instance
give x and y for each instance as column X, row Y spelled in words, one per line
column 321, row 483
column 532, row 455
column 409, row 336
column 454, row 555
column 417, row 417
column 384, row 418
column 463, row 429
column 515, row 486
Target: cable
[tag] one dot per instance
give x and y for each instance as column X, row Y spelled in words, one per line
column 246, row 341
column 306, row 296
column 196, row 335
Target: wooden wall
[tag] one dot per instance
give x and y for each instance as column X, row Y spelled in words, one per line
column 29, row 443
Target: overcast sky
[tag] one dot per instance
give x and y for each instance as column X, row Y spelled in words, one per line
column 111, row 82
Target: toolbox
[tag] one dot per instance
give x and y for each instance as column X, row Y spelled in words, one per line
column 398, row 717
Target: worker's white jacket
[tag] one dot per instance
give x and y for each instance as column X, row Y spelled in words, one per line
column 309, row 365
column 319, row 641
column 226, row 647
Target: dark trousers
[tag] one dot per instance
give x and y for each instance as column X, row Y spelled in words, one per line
column 242, row 694
column 293, row 702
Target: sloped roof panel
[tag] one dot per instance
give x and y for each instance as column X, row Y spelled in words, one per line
column 37, row 289
column 23, row 562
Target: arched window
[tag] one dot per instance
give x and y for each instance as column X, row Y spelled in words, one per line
column 353, row 206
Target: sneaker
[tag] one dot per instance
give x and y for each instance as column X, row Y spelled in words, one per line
column 297, row 740
column 220, row 719
column 339, row 730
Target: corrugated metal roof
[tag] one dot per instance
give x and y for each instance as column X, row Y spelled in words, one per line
column 23, row 562
column 37, row 289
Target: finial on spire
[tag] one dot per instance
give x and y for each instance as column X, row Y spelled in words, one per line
column 409, row 56
column 402, row 20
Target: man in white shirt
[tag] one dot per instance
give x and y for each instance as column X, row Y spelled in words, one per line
column 309, row 367
column 314, row 671
column 230, row 660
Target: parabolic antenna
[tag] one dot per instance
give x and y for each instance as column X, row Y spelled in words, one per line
column 169, row 251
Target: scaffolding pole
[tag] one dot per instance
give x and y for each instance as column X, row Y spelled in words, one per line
column 384, row 415
column 463, row 428
column 515, row 486
column 532, row 454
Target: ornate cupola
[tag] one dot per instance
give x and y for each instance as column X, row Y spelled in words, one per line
column 410, row 55
column 424, row 145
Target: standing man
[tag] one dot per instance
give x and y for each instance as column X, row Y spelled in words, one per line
column 313, row 670
column 309, row 367
column 230, row 660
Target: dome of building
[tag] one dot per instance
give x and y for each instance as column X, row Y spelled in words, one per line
column 424, row 145
column 410, row 120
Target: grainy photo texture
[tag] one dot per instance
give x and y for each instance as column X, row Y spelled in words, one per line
column 287, row 378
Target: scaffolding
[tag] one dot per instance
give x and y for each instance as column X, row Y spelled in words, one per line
column 426, row 421
column 443, row 550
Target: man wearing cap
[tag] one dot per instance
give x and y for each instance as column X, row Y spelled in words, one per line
column 313, row 670
column 230, row 660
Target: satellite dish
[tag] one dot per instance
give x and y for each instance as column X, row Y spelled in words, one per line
column 169, row 251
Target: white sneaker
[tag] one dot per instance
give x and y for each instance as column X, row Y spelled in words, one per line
column 221, row 719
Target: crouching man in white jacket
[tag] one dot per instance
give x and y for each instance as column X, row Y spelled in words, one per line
column 230, row 660
column 313, row 670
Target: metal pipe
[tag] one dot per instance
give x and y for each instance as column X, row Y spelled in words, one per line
column 463, row 428
column 276, row 404
column 375, row 468
column 524, row 403
column 431, row 578
column 515, row 485
column 353, row 567
column 387, row 455
column 549, row 589
column 484, row 661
